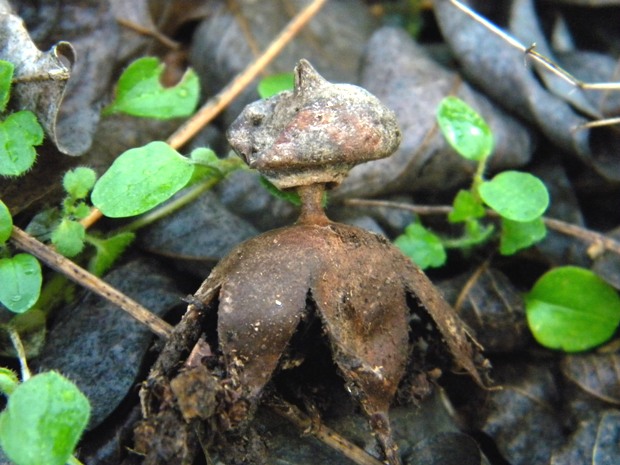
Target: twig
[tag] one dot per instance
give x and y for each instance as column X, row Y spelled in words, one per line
column 88, row 280
column 600, row 123
column 417, row 209
column 217, row 103
column 21, row 353
column 94, row 216
column 471, row 281
column 569, row 229
column 140, row 29
column 531, row 51
column 321, row 432
column 584, row 234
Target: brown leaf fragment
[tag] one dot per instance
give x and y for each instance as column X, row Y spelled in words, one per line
column 597, row 374
column 165, row 439
column 103, row 350
column 90, row 59
column 607, row 264
column 491, row 306
column 40, row 78
column 520, row 417
column 596, row 442
column 195, row 390
column 197, row 235
column 446, row 448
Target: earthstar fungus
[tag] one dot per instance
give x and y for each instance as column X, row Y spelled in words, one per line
column 360, row 288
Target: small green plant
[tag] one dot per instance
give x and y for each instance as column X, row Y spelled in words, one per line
column 43, row 420
column 139, row 180
column 518, row 198
column 20, row 131
column 569, row 308
column 21, row 279
column 140, row 92
column 20, row 275
column 572, row 309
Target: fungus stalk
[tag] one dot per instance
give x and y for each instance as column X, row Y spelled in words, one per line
column 312, row 211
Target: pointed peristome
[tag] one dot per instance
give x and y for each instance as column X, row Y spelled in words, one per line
column 307, row 79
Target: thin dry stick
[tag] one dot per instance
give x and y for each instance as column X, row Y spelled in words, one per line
column 531, row 51
column 601, row 123
column 215, row 104
column 458, row 305
column 565, row 228
column 164, row 40
column 220, row 101
column 88, row 280
column 324, row 434
column 21, row 352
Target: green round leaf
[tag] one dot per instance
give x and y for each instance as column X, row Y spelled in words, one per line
column 517, row 235
column 43, row 420
column 21, row 282
column 6, row 223
column 204, row 156
column 108, row 250
column 572, row 309
column 140, row 93
column 464, row 129
column 6, row 77
column 140, row 179
column 19, row 132
column 515, row 195
column 79, row 181
column 274, row 84
column 68, row 237
column 465, row 207
column 8, row 381
column 422, row 246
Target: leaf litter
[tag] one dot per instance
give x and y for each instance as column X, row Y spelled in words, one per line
column 556, row 123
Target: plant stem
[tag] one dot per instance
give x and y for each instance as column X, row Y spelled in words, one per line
column 478, row 179
column 94, row 216
column 584, row 234
column 88, row 280
column 21, row 353
column 158, row 213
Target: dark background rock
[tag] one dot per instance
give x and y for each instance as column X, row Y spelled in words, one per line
column 99, row 347
column 198, row 235
column 498, row 68
column 412, row 84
